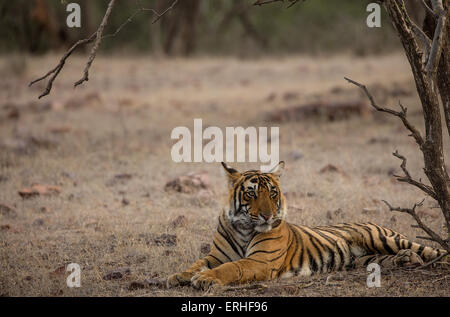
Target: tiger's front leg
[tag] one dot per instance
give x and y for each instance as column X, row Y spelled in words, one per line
column 184, row 278
column 242, row 271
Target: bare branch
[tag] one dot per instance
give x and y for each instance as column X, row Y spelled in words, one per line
column 412, row 211
column 98, row 39
column 426, row 42
column 97, row 36
column 160, row 15
column 439, row 34
column 433, row 261
column 262, row 2
column 55, row 71
column 430, row 11
column 401, row 114
column 408, row 179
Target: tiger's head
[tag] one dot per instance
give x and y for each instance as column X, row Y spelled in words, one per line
column 256, row 201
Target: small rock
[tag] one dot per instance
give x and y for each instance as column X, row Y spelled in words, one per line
column 60, row 270
column 119, row 179
column 38, row 222
column 7, row 211
column 39, row 189
column 137, row 285
column 156, row 282
column 190, row 183
column 179, row 221
column 205, row 248
column 370, row 210
column 330, row 168
column 166, row 240
column 5, row 227
column 118, row 274
column 125, row 202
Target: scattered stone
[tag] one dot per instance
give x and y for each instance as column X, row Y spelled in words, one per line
column 205, row 248
column 119, row 179
column 125, row 202
column 166, row 240
column 330, row 168
column 370, row 210
column 60, row 270
column 43, row 210
column 118, row 274
column 330, row 111
column 190, row 183
column 179, row 221
column 39, row 189
column 156, row 282
column 38, row 222
column 7, row 211
column 137, row 285
column 5, row 227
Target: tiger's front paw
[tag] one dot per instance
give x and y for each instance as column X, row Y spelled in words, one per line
column 204, row 280
column 179, row 279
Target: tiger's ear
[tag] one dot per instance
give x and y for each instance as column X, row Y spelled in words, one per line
column 278, row 170
column 232, row 174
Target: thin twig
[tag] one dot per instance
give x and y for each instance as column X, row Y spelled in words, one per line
column 412, row 212
column 408, row 179
column 97, row 36
column 439, row 34
column 432, row 262
column 262, row 2
column 98, row 39
column 401, row 114
column 430, row 11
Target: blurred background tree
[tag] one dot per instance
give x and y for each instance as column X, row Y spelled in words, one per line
column 200, row 27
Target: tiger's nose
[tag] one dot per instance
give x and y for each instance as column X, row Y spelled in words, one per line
column 266, row 216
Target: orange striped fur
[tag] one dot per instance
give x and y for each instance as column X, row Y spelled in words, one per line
column 253, row 242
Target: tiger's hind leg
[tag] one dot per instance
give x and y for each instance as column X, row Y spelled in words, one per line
column 404, row 257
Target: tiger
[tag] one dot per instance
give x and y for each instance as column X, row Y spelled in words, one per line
column 254, row 242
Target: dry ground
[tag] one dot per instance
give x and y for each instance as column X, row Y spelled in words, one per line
column 107, row 146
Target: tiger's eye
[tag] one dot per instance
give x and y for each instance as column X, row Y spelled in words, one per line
column 251, row 194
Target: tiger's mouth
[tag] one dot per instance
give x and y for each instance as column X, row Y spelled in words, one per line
column 264, row 226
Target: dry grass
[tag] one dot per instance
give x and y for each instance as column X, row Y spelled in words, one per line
column 127, row 131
